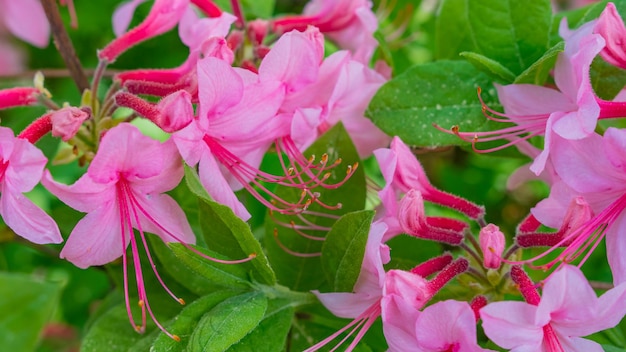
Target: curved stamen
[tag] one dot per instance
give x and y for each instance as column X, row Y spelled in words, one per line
column 289, row 251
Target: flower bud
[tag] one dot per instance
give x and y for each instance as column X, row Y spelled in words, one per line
column 411, row 212
column 67, row 121
column 492, row 244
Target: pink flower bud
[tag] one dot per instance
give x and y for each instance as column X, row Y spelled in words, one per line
column 176, row 111
column 67, row 121
column 18, row 96
column 412, row 287
column 611, row 27
column 492, row 244
column 257, row 30
column 411, row 212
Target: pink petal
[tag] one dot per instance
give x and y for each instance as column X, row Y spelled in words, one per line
column 162, row 216
column 293, row 60
column 217, row 186
column 516, row 97
column 219, row 88
column 26, row 163
column 616, row 249
column 447, row 323
column 304, row 126
column 125, row 152
column 611, row 26
column 577, row 344
column 27, row 20
column 614, row 146
column 512, row 325
column 194, row 31
column 123, row 15
column 97, row 238
column 399, row 319
column 84, row 195
column 346, row 305
column 11, row 59
column 28, row 220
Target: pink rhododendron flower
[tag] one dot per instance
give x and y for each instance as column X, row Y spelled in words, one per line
column 121, row 191
column 26, row 20
column 568, row 309
column 571, row 112
column 322, row 92
column 236, row 124
column 171, row 114
column 21, row 168
column 592, row 168
column 351, row 24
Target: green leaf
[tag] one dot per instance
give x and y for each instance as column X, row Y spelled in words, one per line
column 344, row 248
column 442, row 92
column 226, row 233
column 182, row 273
column 25, row 307
column 228, row 322
column 538, row 72
column 251, row 8
column 271, row 333
column 302, row 273
column 512, row 32
column 225, row 275
column 489, row 66
column 609, row 348
column 112, row 331
column 607, row 80
column 184, row 323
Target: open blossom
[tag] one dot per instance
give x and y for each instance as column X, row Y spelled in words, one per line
column 351, row 24
column 570, row 112
column 322, row 92
column 21, row 168
column 121, row 191
column 567, row 309
column 235, row 126
column 592, row 168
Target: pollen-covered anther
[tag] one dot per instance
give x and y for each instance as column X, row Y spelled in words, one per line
column 181, row 301
column 176, row 338
column 252, row 256
column 141, row 303
column 324, row 158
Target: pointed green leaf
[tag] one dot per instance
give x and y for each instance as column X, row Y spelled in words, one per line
column 344, row 248
column 442, row 92
column 225, row 233
column 225, row 275
column 184, row 323
column 489, row 66
column 228, row 322
column 26, row 305
column 512, row 32
column 271, row 333
column 538, row 72
column 304, row 273
column 607, row 80
column 181, row 272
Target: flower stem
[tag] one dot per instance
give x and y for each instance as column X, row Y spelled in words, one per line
column 64, row 44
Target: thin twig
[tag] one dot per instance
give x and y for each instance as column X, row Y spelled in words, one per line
column 64, row 45
column 55, row 73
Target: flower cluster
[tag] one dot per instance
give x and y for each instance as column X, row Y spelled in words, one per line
column 233, row 128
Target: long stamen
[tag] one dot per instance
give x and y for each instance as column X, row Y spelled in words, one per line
column 289, row 251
